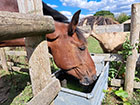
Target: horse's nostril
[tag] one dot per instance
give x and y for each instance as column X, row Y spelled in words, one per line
column 94, row 77
column 86, row 79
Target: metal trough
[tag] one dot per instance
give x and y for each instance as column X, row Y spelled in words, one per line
column 71, row 97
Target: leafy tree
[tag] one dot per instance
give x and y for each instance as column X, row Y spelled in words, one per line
column 122, row 17
column 104, row 13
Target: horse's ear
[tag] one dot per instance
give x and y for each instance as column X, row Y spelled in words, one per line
column 73, row 23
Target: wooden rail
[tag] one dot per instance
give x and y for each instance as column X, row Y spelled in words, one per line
column 114, row 57
column 120, row 82
column 108, row 56
column 108, row 28
column 17, row 25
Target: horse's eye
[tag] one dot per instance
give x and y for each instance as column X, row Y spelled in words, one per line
column 82, row 48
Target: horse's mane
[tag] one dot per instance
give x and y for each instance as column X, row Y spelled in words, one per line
column 57, row 16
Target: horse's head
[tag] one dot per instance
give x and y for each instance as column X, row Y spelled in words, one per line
column 69, row 49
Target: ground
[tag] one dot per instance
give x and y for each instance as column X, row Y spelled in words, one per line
column 15, row 86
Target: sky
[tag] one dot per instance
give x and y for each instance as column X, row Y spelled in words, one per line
column 89, row 7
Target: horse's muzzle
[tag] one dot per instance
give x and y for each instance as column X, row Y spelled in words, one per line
column 88, row 81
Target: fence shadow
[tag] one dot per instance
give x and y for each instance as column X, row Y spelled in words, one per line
column 12, row 85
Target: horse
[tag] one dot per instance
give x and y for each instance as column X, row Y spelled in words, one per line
column 67, row 45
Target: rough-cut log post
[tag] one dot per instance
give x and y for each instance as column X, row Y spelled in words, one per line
column 37, row 52
column 17, row 25
column 36, row 49
column 134, row 38
column 3, row 59
column 47, row 94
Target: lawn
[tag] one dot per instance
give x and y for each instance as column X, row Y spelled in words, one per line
column 93, row 46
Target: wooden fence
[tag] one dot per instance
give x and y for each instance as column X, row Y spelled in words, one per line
column 33, row 23
column 41, row 84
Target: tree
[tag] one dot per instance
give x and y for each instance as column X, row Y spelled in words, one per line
column 122, row 17
column 104, row 13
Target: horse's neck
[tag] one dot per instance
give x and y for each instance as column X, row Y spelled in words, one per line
column 13, row 43
column 97, row 37
column 8, row 5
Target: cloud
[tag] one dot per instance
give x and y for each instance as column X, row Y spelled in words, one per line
column 53, row 6
column 83, row 16
column 115, row 6
column 69, row 15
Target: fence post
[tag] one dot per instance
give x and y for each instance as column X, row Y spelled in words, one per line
column 134, row 38
column 37, row 52
column 3, row 59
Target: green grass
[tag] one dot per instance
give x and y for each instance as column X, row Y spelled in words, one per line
column 20, row 87
column 93, row 46
column 23, row 97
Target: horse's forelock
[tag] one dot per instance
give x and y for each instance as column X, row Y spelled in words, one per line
column 80, row 35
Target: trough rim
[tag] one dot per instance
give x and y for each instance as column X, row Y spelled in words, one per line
column 84, row 95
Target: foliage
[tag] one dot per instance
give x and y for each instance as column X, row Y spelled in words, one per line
column 127, row 49
column 112, row 72
column 122, row 94
column 104, row 13
column 117, row 68
column 122, row 17
column 137, row 79
column 114, row 96
column 54, row 68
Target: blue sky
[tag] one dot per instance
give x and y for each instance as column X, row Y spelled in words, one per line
column 89, row 7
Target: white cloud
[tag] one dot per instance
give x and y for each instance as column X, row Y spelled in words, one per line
column 83, row 16
column 69, row 15
column 53, row 6
column 115, row 6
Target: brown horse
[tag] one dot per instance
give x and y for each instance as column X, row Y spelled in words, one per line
column 68, row 48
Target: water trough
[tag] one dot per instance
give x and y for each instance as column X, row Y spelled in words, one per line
column 72, row 97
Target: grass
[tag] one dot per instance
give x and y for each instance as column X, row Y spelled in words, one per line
column 93, row 46
column 23, row 97
column 20, row 87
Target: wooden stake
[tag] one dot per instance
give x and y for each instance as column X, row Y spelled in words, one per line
column 37, row 52
column 37, row 49
column 134, row 38
column 3, row 59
